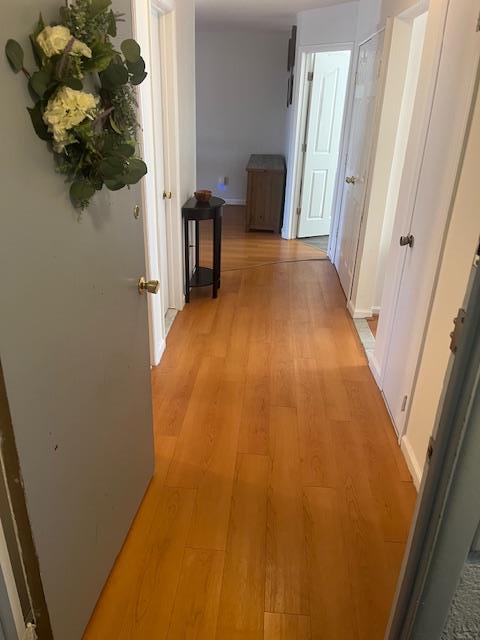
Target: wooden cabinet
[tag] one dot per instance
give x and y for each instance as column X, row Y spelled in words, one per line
column 265, row 193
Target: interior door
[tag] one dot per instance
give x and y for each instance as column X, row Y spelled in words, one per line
column 148, row 34
column 156, row 79
column 74, row 349
column 323, row 136
column 358, row 161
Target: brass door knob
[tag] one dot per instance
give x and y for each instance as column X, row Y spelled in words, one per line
column 167, row 195
column 149, row 286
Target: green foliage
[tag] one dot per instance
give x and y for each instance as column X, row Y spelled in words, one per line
column 130, row 50
column 101, row 149
column 15, row 56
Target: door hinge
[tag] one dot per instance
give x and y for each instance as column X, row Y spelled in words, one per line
column 304, row 147
column 478, row 22
column 431, row 448
column 458, row 322
column 404, row 403
column 299, row 210
column 310, row 76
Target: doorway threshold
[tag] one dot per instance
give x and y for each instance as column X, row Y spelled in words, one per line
column 366, row 336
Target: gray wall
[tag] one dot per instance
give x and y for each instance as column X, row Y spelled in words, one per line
column 241, row 104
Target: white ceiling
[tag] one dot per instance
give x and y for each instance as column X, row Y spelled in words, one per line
column 261, row 15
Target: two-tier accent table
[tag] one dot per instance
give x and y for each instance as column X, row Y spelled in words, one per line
column 197, row 212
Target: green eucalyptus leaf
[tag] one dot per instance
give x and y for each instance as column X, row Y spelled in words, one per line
column 136, row 169
column 99, row 6
column 36, row 116
column 112, row 167
column 114, row 75
column 131, row 50
column 80, row 192
column 114, row 185
column 40, row 81
column 73, row 83
column 136, row 68
column 115, row 126
column 138, row 79
column 125, row 150
column 112, row 25
column 39, row 27
column 15, row 55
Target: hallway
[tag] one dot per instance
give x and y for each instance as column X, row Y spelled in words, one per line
column 281, row 502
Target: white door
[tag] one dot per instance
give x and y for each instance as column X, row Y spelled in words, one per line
column 323, row 136
column 148, row 35
column 423, row 211
column 358, row 161
column 74, row 352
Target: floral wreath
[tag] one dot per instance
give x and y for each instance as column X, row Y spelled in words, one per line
column 92, row 132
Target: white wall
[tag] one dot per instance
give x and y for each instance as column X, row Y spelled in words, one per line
column 317, row 28
column 241, row 104
column 456, row 265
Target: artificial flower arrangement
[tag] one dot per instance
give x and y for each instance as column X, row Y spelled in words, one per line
column 84, row 95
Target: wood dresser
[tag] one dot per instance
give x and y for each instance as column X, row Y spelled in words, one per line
column 265, row 192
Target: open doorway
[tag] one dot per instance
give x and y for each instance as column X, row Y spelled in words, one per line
column 320, row 142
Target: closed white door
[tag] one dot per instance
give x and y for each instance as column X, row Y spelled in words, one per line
column 358, row 161
column 323, row 135
column 415, row 265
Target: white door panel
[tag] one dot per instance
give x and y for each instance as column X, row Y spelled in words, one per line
column 359, row 153
column 324, row 129
column 155, row 216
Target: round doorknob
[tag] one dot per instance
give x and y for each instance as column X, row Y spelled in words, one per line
column 407, row 241
column 149, row 286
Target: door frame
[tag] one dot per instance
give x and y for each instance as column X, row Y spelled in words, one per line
column 307, row 88
column 445, row 526
column 141, row 20
column 439, row 118
column 300, row 119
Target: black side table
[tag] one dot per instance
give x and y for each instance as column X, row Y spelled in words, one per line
column 203, row 276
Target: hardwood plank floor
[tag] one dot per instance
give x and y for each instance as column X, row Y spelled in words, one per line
column 281, row 502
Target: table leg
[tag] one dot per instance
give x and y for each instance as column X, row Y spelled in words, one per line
column 187, row 262
column 197, row 244
column 220, row 224
column 216, row 253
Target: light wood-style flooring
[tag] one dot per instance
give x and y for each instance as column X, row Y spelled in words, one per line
column 281, row 502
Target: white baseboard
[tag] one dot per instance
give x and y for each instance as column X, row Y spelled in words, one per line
column 358, row 313
column 375, row 369
column 376, row 311
column 412, row 462
column 239, row 202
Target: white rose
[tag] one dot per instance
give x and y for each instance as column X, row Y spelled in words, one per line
column 65, row 110
column 53, row 41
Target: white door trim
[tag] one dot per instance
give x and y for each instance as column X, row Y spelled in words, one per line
column 299, row 117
